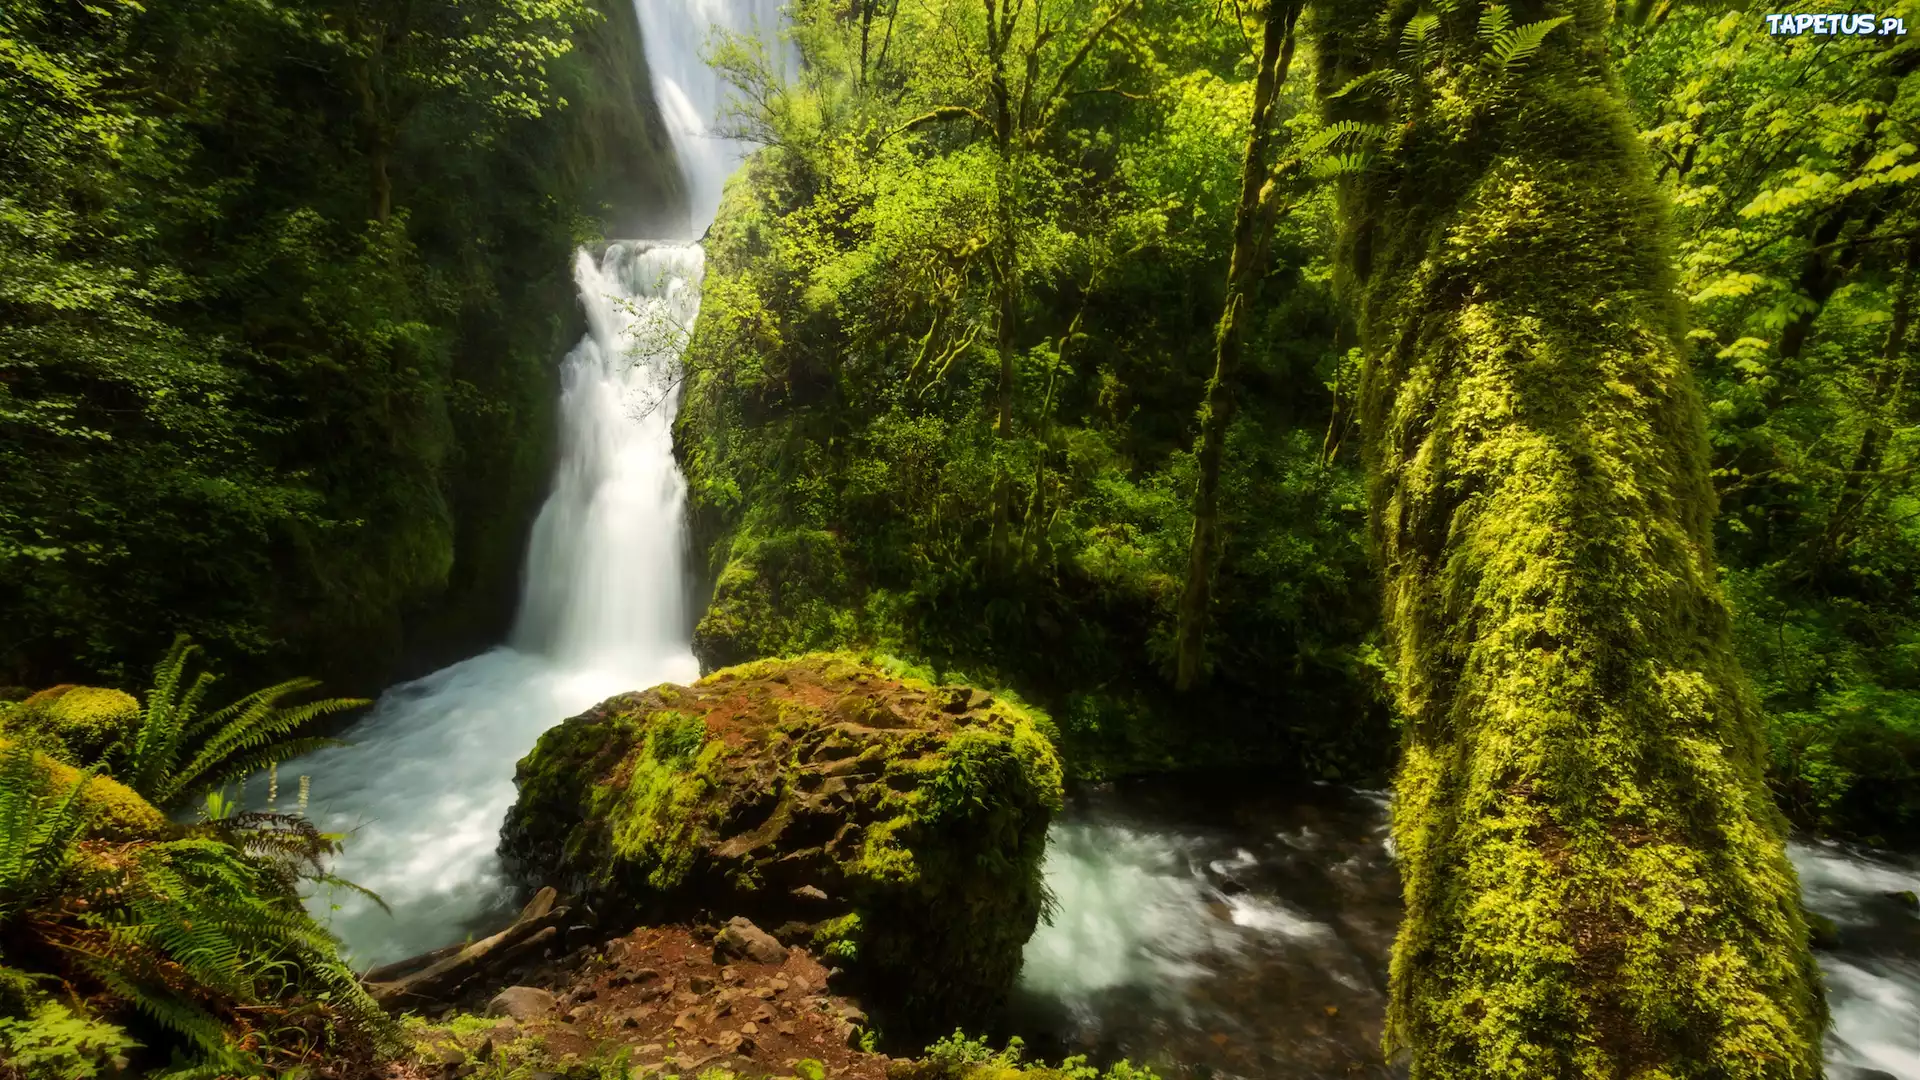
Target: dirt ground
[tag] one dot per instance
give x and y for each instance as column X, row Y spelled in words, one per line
column 660, row 993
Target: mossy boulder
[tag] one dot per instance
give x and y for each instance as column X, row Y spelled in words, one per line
column 114, row 811
column 76, row 724
column 896, row 826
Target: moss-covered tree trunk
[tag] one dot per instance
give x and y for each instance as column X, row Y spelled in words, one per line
column 1595, row 878
column 1216, row 409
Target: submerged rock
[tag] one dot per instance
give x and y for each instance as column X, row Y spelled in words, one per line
column 896, row 826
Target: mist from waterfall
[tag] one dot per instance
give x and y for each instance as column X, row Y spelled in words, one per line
column 428, row 775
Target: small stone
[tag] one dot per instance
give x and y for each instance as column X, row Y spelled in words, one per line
column 851, row 1013
column 731, row 974
column 585, row 993
column 800, row 984
column 700, row 984
column 650, row 1048
column 740, row 939
column 577, row 1014
column 654, row 991
column 522, row 1003
column 1332, row 1010
column 808, row 892
column 750, row 1028
column 452, row 1056
column 687, row 1020
column 779, row 983
column 784, row 1027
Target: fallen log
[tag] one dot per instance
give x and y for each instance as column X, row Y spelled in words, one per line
column 438, row 973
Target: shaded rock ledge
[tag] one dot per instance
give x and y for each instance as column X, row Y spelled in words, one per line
column 894, row 826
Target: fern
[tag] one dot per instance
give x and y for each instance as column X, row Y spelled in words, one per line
column 1417, row 35
column 1512, row 47
column 1378, row 78
column 203, row 932
column 178, row 752
column 1495, row 20
column 36, row 833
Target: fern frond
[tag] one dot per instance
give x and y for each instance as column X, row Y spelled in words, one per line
column 249, row 762
column 37, row 842
column 1394, row 81
column 1350, row 132
column 1495, row 20
column 1417, row 35
column 1513, row 47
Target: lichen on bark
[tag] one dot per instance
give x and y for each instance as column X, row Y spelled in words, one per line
column 1595, row 879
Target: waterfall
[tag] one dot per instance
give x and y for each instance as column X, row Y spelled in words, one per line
column 427, row 776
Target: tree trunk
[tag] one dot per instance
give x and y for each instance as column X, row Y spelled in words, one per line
column 1216, row 411
column 1595, row 877
column 1888, row 388
column 1006, row 254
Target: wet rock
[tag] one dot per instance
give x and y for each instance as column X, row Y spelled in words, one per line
column 1905, row 898
column 522, row 1003
column 742, row 940
column 794, row 789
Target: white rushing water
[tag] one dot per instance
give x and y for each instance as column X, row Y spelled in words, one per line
column 428, row 775
column 1211, row 941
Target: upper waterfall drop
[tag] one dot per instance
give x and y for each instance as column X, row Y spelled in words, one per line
column 692, row 96
column 428, row 775
column 604, row 566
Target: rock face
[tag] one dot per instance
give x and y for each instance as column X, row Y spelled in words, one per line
column 895, row 825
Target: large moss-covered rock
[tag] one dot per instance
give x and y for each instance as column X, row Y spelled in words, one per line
column 76, row 724
column 113, row 810
column 895, row 825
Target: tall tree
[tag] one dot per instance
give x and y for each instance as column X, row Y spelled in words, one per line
column 1595, row 878
column 1014, row 71
column 1243, row 274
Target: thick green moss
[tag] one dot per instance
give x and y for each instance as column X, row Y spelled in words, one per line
column 114, row 811
column 1595, row 878
column 77, row 724
column 897, row 825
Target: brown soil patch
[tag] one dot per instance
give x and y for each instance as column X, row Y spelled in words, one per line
column 659, row 993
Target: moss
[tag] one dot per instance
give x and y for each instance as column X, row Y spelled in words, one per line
column 114, row 811
column 1595, row 878
column 77, row 724
column 920, row 810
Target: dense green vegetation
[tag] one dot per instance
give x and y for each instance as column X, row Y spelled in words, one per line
column 941, row 396
column 1116, row 351
column 178, row 949
column 862, row 472
column 281, row 286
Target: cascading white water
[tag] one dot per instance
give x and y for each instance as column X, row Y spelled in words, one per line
column 428, row 774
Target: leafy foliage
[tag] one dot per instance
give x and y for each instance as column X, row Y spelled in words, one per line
column 198, row 933
column 851, row 475
column 1792, row 172
column 178, row 751
column 236, row 394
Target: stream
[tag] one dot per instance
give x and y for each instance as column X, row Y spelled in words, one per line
column 1225, row 927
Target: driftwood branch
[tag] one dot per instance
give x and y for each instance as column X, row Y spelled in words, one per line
column 432, row 976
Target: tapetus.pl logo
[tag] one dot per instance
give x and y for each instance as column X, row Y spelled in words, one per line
column 1836, row 25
